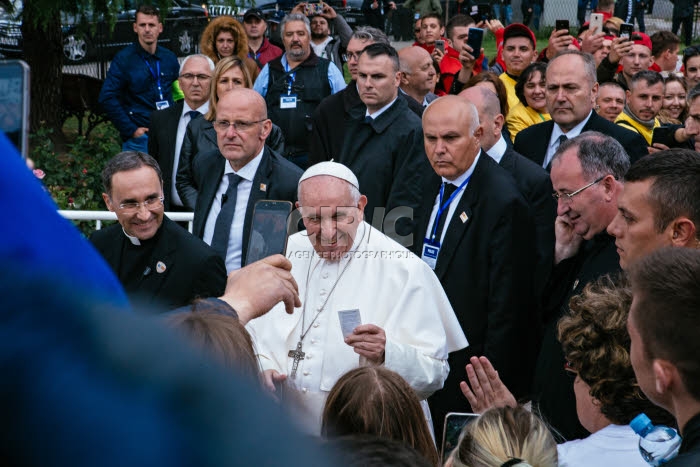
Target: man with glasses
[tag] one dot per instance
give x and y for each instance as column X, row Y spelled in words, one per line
column 157, row 261
column 168, row 126
column 139, row 81
column 234, row 177
column 587, row 173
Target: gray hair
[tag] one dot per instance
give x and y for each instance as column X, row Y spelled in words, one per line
column 295, row 17
column 589, row 66
column 368, row 33
column 128, row 160
column 209, row 61
column 598, row 154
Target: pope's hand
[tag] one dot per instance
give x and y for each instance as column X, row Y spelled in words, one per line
column 369, row 341
column 487, row 390
column 253, row 290
column 271, row 378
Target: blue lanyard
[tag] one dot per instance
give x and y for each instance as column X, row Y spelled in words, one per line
column 156, row 75
column 442, row 207
column 290, row 78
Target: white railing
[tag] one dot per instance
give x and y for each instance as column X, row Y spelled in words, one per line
column 99, row 216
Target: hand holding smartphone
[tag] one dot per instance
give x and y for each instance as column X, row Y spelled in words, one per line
column 475, row 37
column 268, row 231
column 440, row 45
column 626, row 30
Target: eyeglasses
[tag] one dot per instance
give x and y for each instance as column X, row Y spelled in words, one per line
column 191, row 77
column 347, row 56
column 223, row 125
column 132, row 207
column 567, row 197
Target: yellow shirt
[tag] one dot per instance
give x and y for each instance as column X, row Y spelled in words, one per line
column 632, row 125
column 521, row 117
column 509, row 83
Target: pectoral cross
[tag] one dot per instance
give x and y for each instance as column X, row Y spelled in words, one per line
column 297, row 355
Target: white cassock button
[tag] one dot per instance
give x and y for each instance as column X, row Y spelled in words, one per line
column 319, row 308
column 304, row 390
column 316, row 325
column 307, row 373
column 323, row 292
column 308, row 356
column 324, row 275
column 313, row 341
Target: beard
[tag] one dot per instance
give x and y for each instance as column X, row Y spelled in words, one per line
column 297, row 54
column 317, row 36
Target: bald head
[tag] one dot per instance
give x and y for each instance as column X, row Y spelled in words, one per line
column 417, row 72
column 245, row 109
column 489, row 109
column 451, row 135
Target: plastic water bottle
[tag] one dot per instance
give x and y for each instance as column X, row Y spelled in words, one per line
column 657, row 444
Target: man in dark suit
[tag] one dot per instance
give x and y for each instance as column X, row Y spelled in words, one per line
column 168, row 126
column 587, row 174
column 157, row 261
column 532, row 180
column 571, row 92
column 480, row 246
column 237, row 175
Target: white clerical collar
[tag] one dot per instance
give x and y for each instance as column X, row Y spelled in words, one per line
column 572, row 133
column 133, row 240
column 202, row 109
column 459, row 180
column 247, row 172
column 376, row 114
column 498, row 150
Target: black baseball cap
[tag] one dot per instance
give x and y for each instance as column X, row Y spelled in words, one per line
column 254, row 12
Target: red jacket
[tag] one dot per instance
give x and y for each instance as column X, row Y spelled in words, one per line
column 265, row 53
column 449, row 67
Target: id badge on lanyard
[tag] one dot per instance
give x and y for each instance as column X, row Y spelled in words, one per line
column 289, row 101
column 161, row 103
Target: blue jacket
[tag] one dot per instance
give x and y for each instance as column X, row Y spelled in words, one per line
column 130, row 91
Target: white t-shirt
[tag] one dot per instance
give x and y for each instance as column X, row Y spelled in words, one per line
column 613, row 446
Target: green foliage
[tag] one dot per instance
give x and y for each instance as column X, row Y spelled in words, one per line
column 74, row 179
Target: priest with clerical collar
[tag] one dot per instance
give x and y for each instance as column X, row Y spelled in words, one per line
column 157, row 261
column 366, row 300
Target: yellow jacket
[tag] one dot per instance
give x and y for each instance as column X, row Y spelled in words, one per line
column 509, row 83
column 627, row 122
column 521, row 117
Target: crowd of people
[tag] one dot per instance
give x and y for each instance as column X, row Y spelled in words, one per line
column 515, row 238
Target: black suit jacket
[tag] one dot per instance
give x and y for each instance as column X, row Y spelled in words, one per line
column 276, row 178
column 192, row 268
column 486, row 267
column 532, row 142
column 162, row 133
column 536, row 186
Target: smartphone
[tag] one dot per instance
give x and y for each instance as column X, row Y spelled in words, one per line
column 474, row 38
column 312, row 9
column 664, row 135
column 14, row 103
column 626, row 30
column 561, row 24
column 474, row 13
column 454, row 424
column 268, row 231
column 484, row 11
column 596, row 23
column 440, row 45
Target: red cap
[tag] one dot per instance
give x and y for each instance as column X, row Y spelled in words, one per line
column 643, row 39
column 519, row 30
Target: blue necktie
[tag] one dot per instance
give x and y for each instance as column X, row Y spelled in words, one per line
column 194, row 114
column 368, row 119
column 222, row 230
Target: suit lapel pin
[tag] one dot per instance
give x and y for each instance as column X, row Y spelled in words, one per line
column 160, row 267
column 464, row 217
column 263, row 187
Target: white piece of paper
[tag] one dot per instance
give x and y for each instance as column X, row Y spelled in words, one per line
column 349, row 320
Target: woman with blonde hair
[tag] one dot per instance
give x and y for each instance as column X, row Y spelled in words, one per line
column 505, row 437
column 377, row 401
column 200, row 136
column 225, row 37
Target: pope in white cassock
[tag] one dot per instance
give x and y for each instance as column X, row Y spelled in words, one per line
column 342, row 264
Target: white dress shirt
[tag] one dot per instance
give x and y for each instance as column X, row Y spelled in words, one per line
column 181, row 129
column 453, row 205
column 556, row 133
column 497, row 151
column 235, row 240
column 376, row 114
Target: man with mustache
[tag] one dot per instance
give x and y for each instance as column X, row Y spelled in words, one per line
column 294, row 84
column 571, row 93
